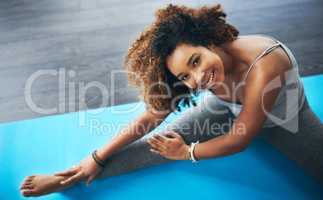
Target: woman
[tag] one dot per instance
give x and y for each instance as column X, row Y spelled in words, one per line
column 186, row 51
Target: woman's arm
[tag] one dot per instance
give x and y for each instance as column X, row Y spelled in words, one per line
column 88, row 169
column 249, row 121
column 256, row 103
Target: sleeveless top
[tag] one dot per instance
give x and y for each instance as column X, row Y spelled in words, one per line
column 291, row 96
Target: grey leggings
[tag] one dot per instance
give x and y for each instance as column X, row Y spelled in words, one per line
column 305, row 147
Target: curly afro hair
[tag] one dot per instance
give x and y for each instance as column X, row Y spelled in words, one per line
column 145, row 60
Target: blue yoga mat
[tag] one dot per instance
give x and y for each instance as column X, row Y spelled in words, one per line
column 50, row 144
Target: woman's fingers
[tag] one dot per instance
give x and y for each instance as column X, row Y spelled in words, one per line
column 155, row 145
column 161, row 138
column 76, row 177
column 156, row 141
column 162, row 153
column 68, row 172
column 172, row 134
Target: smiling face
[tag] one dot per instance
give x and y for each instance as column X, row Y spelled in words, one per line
column 197, row 66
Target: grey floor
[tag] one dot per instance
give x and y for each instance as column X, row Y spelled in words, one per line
column 86, row 41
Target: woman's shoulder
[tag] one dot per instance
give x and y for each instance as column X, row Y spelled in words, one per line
column 246, row 48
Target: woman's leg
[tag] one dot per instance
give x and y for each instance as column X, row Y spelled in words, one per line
column 207, row 120
column 305, row 146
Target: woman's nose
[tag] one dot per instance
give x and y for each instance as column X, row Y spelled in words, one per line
column 198, row 78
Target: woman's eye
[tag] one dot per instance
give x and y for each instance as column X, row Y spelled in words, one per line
column 196, row 61
column 184, row 78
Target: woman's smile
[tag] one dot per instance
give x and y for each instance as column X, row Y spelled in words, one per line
column 211, row 76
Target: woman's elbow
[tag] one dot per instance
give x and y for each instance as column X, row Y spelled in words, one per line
column 238, row 147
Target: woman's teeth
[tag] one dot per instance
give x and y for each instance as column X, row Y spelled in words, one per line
column 210, row 78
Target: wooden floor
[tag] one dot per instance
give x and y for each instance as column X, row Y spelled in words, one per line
column 85, row 41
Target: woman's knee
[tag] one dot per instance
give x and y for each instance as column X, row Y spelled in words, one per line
column 202, row 122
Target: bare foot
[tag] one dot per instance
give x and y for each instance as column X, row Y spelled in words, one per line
column 38, row 185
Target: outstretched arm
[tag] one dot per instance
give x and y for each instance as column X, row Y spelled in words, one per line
column 256, row 103
column 89, row 169
column 245, row 127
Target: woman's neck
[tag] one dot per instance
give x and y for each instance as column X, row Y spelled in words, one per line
column 234, row 69
column 234, row 66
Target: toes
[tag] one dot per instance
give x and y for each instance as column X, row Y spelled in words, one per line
column 29, row 187
column 24, row 184
column 30, row 177
column 27, row 181
column 28, row 192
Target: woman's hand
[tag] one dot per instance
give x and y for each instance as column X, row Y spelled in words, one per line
column 87, row 170
column 169, row 145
